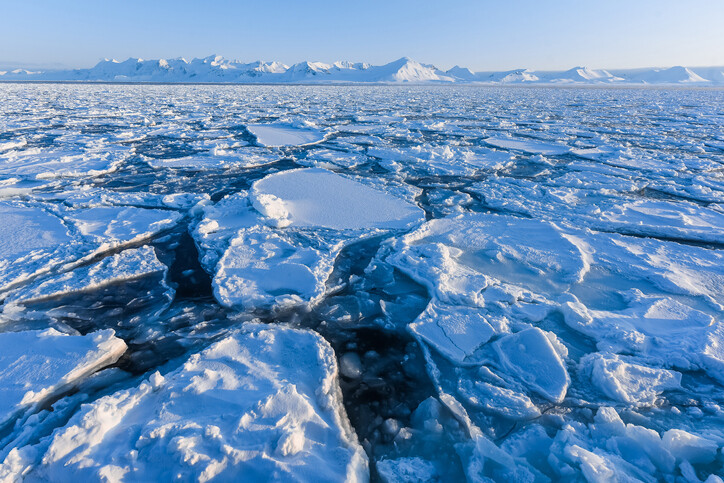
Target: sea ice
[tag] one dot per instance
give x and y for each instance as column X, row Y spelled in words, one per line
column 124, row 266
column 322, row 199
column 629, row 382
column 530, row 355
column 282, row 251
column 281, row 135
column 271, row 406
column 528, row 146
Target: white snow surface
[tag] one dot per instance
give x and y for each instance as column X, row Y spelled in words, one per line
column 262, row 402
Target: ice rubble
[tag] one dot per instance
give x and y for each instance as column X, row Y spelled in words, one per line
column 495, row 279
column 271, row 408
column 279, row 243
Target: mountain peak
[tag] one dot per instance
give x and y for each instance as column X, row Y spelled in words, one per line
column 215, row 68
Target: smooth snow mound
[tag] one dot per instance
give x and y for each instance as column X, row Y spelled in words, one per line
column 319, row 198
column 278, row 135
column 262, row 404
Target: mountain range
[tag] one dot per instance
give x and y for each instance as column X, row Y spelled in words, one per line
column 216, row 69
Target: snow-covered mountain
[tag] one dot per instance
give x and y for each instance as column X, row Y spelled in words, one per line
column 216, row 69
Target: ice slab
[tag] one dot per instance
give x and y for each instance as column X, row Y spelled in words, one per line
column 662, row 328
column 271, row 406
column 124, row 266
column 458, row 257
column 220, row 223
column 37, row 238
column 263, row 268
column 280, row 135
column 314, row 197
column 530, row 355
column 528, row 146
column 665, row 219
column 624, row 380
column 49, row 164
column 245, row 157
column 31, row 240
column 456, row 332
column 37, row 365
column 113, row 226
column 26, row 229
column 506, row 402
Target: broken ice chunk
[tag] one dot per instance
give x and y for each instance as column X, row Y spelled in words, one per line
column 629, row 382
column 406, row 470
column 503, row 401
column 113, row 225
column 313, row 197
column 127, row 265
column 279, row 135
column 37, row 365
column 528, row 146
column 456, row 332
column 271, row 406
column 689, row 447
column 530, row 355
column 263, row 267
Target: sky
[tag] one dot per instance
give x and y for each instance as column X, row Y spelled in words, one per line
column 479, row 34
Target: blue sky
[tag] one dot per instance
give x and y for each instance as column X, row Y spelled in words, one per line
column 482, row 34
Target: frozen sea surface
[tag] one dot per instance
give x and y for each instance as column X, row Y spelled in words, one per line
column 352, row 283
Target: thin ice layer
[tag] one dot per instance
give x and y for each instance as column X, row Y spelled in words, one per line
column 37, row 365
column 271, row 406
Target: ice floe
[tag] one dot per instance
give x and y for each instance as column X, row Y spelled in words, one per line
column 124, row 266
column 36, row 366
column 279, row 243
column 280, row 135
column 271, row 406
